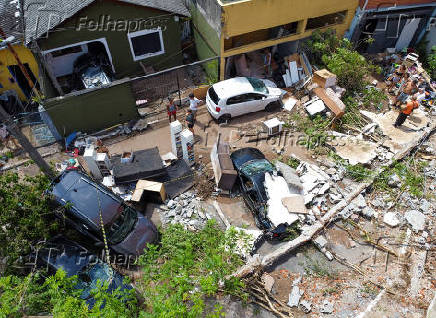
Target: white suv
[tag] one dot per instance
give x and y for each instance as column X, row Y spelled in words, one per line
column 241, row 95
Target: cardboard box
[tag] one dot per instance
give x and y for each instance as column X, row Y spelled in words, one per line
column 324, row 78
column 149, row 191
column 331, row 100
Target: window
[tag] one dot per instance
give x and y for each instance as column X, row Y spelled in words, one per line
column 236, row 99
column 146, row 43
column 213, row 96
column 326, row 20
column 258, row 85
column 253, row 96
column 244, row 98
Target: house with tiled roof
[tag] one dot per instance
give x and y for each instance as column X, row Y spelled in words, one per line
column 124, row 37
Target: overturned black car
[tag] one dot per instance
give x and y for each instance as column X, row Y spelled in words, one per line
column 252, row 168
column 89, row 206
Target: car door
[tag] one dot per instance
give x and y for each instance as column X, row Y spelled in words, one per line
column 256, row 101
column 235, row 106
column 248, row 193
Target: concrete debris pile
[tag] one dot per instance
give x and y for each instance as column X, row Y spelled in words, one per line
column 354, row 148
column 185, row 209
column 315, row 183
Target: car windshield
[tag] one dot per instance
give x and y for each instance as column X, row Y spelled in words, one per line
column 90, row 275
column 123, row 225
column 258, row 85
column 213, row 96
column 254, row 167
column 94, row 77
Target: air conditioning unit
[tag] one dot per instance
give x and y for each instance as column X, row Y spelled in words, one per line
column 273, row 126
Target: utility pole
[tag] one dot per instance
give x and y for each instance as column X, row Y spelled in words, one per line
column 13, row 129
column 20, row 65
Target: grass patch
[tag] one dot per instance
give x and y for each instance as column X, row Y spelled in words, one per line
column 411, row 175
column 188, row 267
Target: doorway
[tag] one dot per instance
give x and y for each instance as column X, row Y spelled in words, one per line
column 21, row 79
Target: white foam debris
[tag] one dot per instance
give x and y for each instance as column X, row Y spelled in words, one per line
column 277, row 189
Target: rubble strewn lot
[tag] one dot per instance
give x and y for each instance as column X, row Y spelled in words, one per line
column 356, row 195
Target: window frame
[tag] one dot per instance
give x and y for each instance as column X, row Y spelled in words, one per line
column 144, row 32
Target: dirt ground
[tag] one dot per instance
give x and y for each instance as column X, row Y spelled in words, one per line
column 352, row 294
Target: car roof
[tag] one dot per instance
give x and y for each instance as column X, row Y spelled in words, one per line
column 86, row 197
column 241, row 156
column 60, row 252
column 232, row 87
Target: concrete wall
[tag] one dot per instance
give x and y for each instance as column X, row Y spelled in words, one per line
column 118, row 43
column 206, row 21
column 92, row 110
column 7, row 58
column 372, row 4
column 247, row 16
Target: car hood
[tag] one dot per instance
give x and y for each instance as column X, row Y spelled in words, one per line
column 143, row 233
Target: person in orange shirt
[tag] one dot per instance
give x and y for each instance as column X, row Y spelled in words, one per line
column 406, row 111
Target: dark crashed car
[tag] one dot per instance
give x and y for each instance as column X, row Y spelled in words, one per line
column 88, row 205
column 251, row 166
column 75, row 260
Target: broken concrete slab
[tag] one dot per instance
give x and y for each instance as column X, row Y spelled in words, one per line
column 290, row 176
column 399, row 138
column 416, row 219
column 368, row 212
column 268, row 282
column 353, row 149
column 295, row 296
column 394, row 181
column 359, row 201
column 391, row 219
column 320, row 241
column 306, row 306
column 326, row 307
column 295, row 204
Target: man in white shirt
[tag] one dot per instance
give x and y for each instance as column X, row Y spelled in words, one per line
column 193, row 104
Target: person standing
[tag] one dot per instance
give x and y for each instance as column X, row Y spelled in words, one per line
column 171, row 109
column 408, row 89
column 190, row 120
column 408, row 109
column 193, row 104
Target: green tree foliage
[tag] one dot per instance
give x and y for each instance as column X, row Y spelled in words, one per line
column 187, row 268
column 350, row 67
column 339, row 56
column 58, row 296
column 25, row 215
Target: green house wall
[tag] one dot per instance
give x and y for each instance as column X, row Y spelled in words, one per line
column 67, row 33
column 91, row 111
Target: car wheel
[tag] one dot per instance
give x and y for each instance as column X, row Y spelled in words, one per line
column 272, row 106
column 224, row 119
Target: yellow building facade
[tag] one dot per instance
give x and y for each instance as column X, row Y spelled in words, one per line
column 11, row 76
column 247, row 25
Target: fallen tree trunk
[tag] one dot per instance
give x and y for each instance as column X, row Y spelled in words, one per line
column 258, row 263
